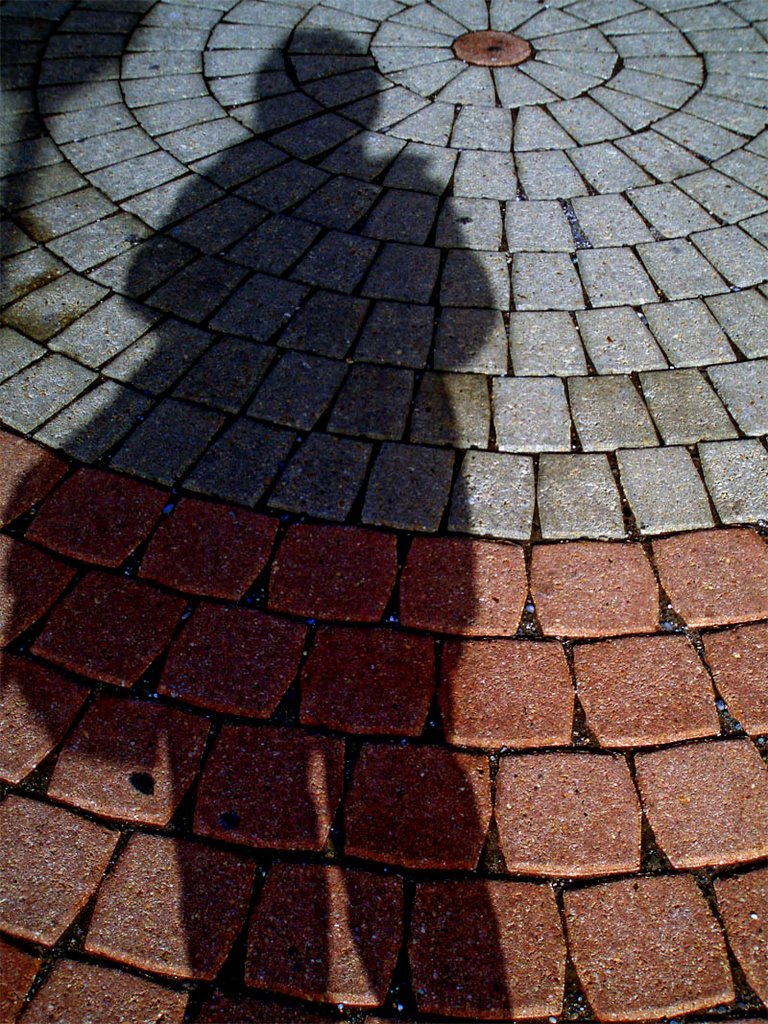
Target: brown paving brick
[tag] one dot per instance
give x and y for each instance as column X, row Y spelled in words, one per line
column 642, row 691
column 27, row 474
column 487, row 950
column 37, row 706
column 234, row 660
column 567, row 815
column 707, row 802
column 481, row 591
column 171, row 906
column 334, row 572
column 214, row 550
column 739, row 662
column 646, row 948
column 30, row 581
column 368, row 680
column 130, row 760
column 715, row 577
column 496, row 693
column 276, row 788
column 593, row 589
column 17, row 971
column 743, row 903
column 87, row 992
column 51, row 862
column 97, row 517
column 223, row 1008
column 325, row 933
column 419, row 807
column 109, row 628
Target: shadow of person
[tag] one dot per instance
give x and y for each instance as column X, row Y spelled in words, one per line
column 281, row 355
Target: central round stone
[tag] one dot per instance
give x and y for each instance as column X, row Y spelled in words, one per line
column 492, row 49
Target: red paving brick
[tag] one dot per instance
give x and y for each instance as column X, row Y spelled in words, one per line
column 487, row 950
column 368, row 681
column 17, row 972
column 646, row 948
column 593, row 589
column 222, row 1008
column 86, row 992
column 743, row 904
column 739, row 662
column 130, row 760
column 496, row 693
column 109, row 628
column 325, row 933
column 97, row 517
column 213, row 550
column 37, row 706
column 707, row 802
column 27, row 474
column 277, row 788
column 233, row 660
column 30, row 582
column 51, row 862
column 197, row 906
column 482, row 586
column 715, row 577
column 334, row 572
column 567, row 815
column 643, row 691
column 418, row 807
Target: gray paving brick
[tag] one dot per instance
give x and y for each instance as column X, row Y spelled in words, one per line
column 243, row 463
column 323, row 478
column 40, row 390
column 671, row 212
column 93, row 423
column 143, row 267
column 664, row 490
column 50, row 308
column 28, row 270
column 172, row 115
column 63, row 214
column 40, row 184
column 98, row 242
column 398, row 334
column 103, row 150
column 472, row 87
column 608, row 413
column 700, row 136
column 327, row 325
column 128, row 178
column 219, row 225
column 402, row 216
column 736, row 474
column 722, row 196
column 281, row 187
column 577, row 497
column 451, row 409
column 298, row 390
column 679, row 270
column 685, row 408
column 549, row 175
column 634, row 111
column 744, row 318
column 338, row 261
column 586, row 121
column 494, row 495
column 373, row 402
column 607, row 169
column 538, row 226
column 405, row 272
column 16, row 352
column 610, row 221
column 226, row 375
column 275, row 245
column 367, row 154
column 160, row 357
column 475, row 279
column 471, row 340
column 545, row 281
column 748, row 168
column 614, row 276
column 432, row 124
column 688, row 333
column 618, row 342
column 171, row 201
column 545, row 344
column 531, row 415
column 536, row 129
column 485, row 176
column 483, row 128
column 198, row 288
column 469, row 224
column 104, row 331
column 661, row 157
column 740, row 259
column 409, row 487
column 743, row 387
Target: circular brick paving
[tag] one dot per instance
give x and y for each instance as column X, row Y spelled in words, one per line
column 290, row 288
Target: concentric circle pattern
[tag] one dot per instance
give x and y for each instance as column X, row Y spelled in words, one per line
column 362, row 280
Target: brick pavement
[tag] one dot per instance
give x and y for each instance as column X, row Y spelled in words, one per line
column 384, row 590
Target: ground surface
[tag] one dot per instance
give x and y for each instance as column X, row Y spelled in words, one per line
column 383, row 491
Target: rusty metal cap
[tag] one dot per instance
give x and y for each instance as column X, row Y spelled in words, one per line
column 492, row 49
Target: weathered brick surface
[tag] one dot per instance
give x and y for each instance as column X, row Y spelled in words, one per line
column 739, row 662
column 743, row 904
column 481, row 591
column 419, row 807
column 487, row 950
column 593, row 589
column 514, row 693
column 325, row 933
column 17, row 972
column 646, row 948
column 27, row 473
column 30, row 582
